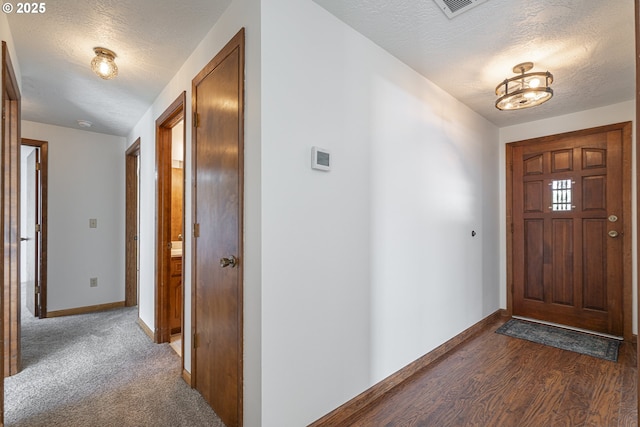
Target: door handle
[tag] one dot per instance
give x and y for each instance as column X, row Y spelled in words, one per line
column 24, row 239
column 228, row 261
column 613, row 233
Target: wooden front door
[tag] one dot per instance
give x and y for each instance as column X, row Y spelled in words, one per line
column 218, row 98
column 570, row 199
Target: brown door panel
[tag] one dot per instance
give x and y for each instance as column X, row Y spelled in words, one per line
column 218, row 193
column 567, row 267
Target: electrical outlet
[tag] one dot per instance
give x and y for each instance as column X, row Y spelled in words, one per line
column 93, row 223
column 93, row 282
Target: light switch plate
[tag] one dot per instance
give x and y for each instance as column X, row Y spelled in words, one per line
column 93, row 223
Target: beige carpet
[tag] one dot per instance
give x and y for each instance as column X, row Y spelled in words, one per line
column 99, row 370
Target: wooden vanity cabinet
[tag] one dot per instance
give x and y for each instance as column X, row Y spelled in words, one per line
column 175, row 289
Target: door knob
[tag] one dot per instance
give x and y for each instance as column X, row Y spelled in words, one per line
column 613, row 233
column 228, row 261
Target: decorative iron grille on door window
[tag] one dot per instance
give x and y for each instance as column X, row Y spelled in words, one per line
column 561, row 195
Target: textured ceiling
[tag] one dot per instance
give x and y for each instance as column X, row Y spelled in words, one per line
column 152, row 39
column 588, row 45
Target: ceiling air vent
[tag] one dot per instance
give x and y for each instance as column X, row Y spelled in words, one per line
column 453, row 8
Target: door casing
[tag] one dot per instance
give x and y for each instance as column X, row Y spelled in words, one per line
column 10, row 138
column 11, row 360
column 637, row 147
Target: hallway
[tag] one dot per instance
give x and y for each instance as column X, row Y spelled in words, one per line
column 99, row 369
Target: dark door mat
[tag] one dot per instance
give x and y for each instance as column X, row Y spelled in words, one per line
column 579, row 342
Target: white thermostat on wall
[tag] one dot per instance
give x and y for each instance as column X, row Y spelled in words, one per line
column 320, row 159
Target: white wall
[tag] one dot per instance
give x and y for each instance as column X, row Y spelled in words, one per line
column 623, row 112
column 86, row 180
column 177, row 145
column 241, row 13
column 370, row 265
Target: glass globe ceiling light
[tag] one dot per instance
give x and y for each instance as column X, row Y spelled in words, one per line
column 525, row 90
column 104, row 64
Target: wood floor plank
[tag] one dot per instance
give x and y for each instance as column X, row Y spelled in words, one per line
column 628, row 406
column 549, row 389
column 576, row 401
column 606, row 399
column 495, row 380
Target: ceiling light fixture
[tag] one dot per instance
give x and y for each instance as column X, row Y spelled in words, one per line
column 84, row 123
column 524, row 91
column 104, row 64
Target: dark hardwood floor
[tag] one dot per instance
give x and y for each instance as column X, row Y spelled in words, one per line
column 494, row 380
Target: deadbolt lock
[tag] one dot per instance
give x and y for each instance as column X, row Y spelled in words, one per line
column 613, row 218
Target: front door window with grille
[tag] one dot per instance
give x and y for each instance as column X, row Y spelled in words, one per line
column 561, row 195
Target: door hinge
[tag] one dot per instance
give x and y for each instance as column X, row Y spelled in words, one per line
column 37, row 289
column 195, row 340
column 196, row 120
column 38, row 166
column 196, row 230
column 512, row 228
column 38, row 228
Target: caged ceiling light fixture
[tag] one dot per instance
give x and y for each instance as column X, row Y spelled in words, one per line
column 104, row 64
column 525, row 90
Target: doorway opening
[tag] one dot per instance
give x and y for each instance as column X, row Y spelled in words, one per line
column 33, row 225
column 177, row 230
column 132, row 224
column 170, row 183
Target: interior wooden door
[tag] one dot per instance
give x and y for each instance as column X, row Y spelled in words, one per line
column 218, row 193
column 569, row 223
